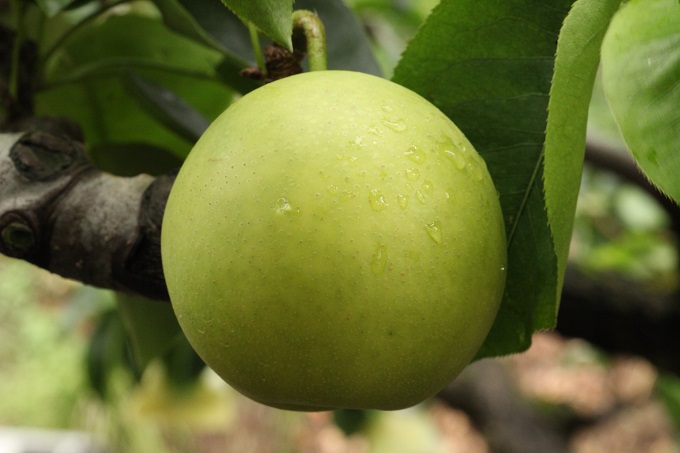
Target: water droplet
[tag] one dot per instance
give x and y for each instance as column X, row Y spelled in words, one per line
column 427, row 186
column 347, row 195
column 387, row 109
column 379, row 260
column 421, row 197
column 282, row 206
column 358, row 142
column 456, row 157
column 374, row 130
column 397, row 125
column 377, row 200
column 412, row 174
column 403, row 201
column 434, row 230
column 340, row 156
column 332, row 189
column 353, row 160
column 415, row 155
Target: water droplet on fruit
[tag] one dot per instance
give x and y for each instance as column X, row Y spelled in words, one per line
column 434, row 230
column 353, row 160
column 387, row 109
column 374, row 130
column 427, row 186
column 412, row 174
column 340, row 156
column 456, row 157
column 420, row 196
column 333, row 189
column 403, row 201
column 377, row 200
column 379, row 260
column 282, row 206
column 397, row 125
column 347, row 195
column 415, row 155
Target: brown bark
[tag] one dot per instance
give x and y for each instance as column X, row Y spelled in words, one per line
column 59, row 212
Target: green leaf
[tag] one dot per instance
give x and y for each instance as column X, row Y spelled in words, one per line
column 53, row 7
column 88, row 82
column 168, row 108
column 641, row 79
column 107, row 352
column 271, row 17
column 577, row 61
column 209, row 23
column 151, row 327
column 488, row 65
column 131, row 159
column 177, row 18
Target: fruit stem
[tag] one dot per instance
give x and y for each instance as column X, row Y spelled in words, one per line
column 257, row 50
column 315, row 36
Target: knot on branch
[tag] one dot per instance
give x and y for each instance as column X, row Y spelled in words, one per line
column 37, row 171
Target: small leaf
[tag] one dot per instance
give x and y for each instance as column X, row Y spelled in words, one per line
column 209, row 23
column 151, row 327
column 107, row 352
column 641, row 79
column 271, row 17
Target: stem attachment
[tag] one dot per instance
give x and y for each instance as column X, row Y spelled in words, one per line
column 257, row 50
column 311, row 26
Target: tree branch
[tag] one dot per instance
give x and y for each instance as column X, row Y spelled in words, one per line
column 60, row 213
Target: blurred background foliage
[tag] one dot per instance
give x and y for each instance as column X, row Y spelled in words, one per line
column 66, row 361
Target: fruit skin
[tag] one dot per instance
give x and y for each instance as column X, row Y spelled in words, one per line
column 334, row 241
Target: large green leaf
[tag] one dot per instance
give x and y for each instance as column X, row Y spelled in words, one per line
column 488, row 65
column 271, row 17
column 578, row 57
column 641, row 79
column 89, row 82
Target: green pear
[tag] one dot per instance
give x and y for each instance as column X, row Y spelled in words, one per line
column 334, row 241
